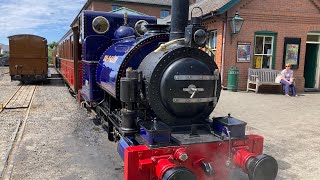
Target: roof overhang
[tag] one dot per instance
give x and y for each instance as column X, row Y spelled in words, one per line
column 222, row 10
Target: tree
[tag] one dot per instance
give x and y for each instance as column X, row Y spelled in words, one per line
column 52, row 45
column 50, row 49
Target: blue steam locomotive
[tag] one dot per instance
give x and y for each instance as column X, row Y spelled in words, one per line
column 153, row 89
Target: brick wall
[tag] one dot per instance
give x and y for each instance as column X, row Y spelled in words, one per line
column 285, row 17
column 151, row 10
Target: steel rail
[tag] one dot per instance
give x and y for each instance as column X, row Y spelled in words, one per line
column 8, row 161
column 7, row 102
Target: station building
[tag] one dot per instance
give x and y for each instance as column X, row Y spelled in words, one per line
column 158, row 8
column 273, row 33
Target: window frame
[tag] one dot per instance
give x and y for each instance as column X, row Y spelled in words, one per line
column 104, row 19
column 208, row 44
column 215, row 32
column 71, row 47
column 274, row 36
column 164, row 10
column 115, row 7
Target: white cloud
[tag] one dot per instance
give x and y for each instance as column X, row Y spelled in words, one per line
column 32, row 16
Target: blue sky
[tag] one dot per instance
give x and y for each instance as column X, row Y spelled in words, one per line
column 47, row 18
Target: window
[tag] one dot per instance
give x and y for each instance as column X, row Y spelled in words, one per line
column 115, row 7
column 164, row 13
column 71, row 47
column 81, row 35
column 100, row 25
column 212, row 44
column 263, row 54
column 313, row 38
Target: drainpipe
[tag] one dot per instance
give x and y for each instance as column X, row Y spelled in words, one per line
column 223, row 49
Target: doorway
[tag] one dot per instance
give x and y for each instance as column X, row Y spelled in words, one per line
column 312, row 62
column 310, row 67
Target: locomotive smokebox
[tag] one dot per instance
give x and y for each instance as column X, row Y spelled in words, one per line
column 179, row 18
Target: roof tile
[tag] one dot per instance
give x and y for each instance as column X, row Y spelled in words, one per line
column 207, row 7
column 157, row 2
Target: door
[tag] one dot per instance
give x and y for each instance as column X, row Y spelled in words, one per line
column 310, row 67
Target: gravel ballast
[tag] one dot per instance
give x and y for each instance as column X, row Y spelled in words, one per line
column 61, row 141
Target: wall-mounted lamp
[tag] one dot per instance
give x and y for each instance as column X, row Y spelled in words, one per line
column 236, row 24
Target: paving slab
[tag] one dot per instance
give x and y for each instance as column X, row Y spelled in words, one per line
column 290, row 126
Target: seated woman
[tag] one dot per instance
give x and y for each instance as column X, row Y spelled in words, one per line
column 287, row 80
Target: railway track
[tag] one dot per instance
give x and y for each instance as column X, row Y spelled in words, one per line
column 21, row 99
column 2, row 74
column 4, row 70
column 3, row 106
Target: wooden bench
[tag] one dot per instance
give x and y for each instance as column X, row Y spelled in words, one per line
column 260, row 77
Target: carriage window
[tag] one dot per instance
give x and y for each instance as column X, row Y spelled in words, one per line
column 71, row 47
column 80, row 29
column 100, row 25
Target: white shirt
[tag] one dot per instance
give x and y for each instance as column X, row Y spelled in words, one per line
column 286, row 74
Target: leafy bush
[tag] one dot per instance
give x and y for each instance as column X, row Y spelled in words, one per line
column 50, row 61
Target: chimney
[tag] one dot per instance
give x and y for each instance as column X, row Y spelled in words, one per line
column 179, row 18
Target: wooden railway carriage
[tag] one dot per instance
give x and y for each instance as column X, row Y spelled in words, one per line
column 68, row 60
column 28, row 59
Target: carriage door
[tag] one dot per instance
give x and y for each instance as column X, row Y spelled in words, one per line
column 311, row 67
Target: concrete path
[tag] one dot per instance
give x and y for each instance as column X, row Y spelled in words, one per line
column 291, row 127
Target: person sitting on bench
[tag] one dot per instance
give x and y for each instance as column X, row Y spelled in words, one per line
column 287, row 80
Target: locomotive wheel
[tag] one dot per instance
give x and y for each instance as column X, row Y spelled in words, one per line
column 107, row 126
column 97, row 120
column 110, row 132
column 104, row 123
